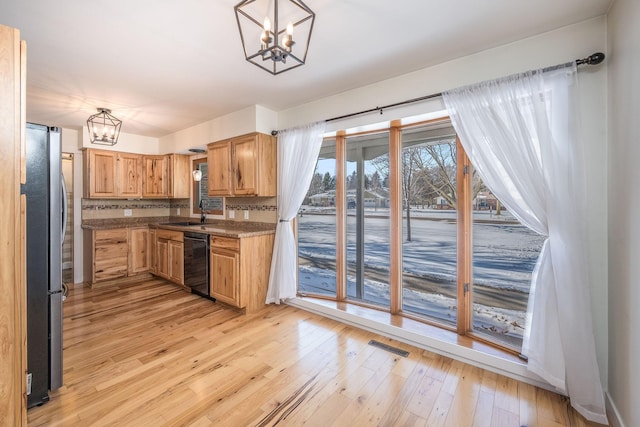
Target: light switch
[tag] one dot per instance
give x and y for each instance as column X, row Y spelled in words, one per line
column 246, row 214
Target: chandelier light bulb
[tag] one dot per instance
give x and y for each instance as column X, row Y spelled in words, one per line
column 267, row 25
column 290, row 29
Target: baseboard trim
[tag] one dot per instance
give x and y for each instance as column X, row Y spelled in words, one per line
column 612, row 412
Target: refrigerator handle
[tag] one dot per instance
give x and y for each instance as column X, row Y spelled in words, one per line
column 64, row 208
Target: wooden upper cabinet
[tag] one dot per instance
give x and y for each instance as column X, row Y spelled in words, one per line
column 243, row 166
column 179, row 176
column 100, row 167
column 219, row 168
column 155, row 179
column 111, row 174
column 166, row 176
column 129, row 173
column 114, row 174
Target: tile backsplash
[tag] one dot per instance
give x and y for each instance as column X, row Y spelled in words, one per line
column 260, row 209
column 108, row 208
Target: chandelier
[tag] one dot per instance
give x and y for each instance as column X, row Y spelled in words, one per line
column 275, row 34
column 104, row 128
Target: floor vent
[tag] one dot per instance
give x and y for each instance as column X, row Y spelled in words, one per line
column 394, row 350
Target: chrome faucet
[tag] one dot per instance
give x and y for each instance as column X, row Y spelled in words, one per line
column 202, row 215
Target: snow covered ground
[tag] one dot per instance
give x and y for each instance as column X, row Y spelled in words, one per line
column 504, row 254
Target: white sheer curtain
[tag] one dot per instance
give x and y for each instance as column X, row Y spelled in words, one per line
column 520, row 133
column 298, row 151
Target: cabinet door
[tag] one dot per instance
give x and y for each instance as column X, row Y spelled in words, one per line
column 244, row 165
column 152, row 251
column 110, row 254
column 176, row 261
column 219, row 163
column 129, row 172
column 224, row 276
column 102, row 173
column 162, row 257
column 139, row 257
column 179, row 176
column 155, row 176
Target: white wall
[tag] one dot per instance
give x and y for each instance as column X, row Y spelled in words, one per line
column 624, row 206
column 563, row 45
column 251, row 119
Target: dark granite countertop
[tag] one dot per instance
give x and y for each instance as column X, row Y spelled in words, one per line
column 235, row 229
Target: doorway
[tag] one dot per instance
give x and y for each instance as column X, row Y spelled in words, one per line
column 67, row 245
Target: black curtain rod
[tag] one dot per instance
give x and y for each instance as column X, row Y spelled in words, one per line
column 594, row 59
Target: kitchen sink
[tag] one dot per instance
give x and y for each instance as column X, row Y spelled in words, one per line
column 182, row 223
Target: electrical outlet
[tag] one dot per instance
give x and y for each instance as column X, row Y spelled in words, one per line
column 178, row 211
column 232, row 214
column 127, row 212
column 246, row 214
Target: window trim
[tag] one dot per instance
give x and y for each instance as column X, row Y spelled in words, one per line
column 195, row 191
column 464, row 325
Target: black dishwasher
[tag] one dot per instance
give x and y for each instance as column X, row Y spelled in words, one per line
column 196, row 262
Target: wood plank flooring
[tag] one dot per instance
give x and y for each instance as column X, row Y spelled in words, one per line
column 150, row 354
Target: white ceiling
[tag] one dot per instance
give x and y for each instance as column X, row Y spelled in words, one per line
column 164, row 65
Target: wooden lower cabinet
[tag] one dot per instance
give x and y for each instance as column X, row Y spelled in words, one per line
column 239, row 270
column 162, row 257
column 117, row 253
column 152, row 250
column 110, row 252
column 224, row 275
column 170, row 255
column 139, row 256
column 176, row 261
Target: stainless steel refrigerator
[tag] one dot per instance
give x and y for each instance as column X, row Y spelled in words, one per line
column 46, row 219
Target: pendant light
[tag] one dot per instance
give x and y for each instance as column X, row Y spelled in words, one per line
column 275, row 34
column 104, row 129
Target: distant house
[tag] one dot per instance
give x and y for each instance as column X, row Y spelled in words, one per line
column 441, row 203
column 323, row 199
column 378, row 198
column 485, row 200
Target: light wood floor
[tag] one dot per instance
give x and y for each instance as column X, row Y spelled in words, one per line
column 150, row 354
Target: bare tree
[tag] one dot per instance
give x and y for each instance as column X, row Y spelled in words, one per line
column 437, row 166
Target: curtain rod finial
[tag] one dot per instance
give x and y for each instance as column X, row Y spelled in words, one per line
column 274, row 132
column 594, row 59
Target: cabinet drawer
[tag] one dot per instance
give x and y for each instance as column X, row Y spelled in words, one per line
column 170, row 235
column 111, row 237
column 111, row 251
column 225, row 243
column 113, row 268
